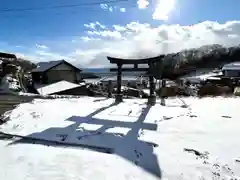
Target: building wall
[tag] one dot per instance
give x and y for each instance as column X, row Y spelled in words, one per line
column 64, row 67
column 231, row 73
column 37, row 77
column 55, row 76
column 62, row 72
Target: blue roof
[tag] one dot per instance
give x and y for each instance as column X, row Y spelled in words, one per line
column 44, row 66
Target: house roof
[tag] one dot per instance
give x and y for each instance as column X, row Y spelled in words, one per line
column 232, row 66
column 56, row 87
column 45, row 66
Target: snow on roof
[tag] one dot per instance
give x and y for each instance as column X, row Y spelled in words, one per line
column 188, row 143
column 56, row 87
column 232, row 66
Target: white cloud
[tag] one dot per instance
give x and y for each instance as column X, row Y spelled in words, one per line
column 123, row 9
column 119, row 28
column 100, row 25
column 104, row 6
column 87, row 38
column 49, row 55
column 163, row 8
column 40, row 46
column 94, row 25
column 110, row 9
column 142, row 4
column 136, row 40
column 106, row 33
column 90, row 26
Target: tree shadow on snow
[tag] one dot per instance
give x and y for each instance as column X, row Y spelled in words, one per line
column 127, row 146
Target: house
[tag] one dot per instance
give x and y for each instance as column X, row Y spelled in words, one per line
column 231, row 70
column 55, row 71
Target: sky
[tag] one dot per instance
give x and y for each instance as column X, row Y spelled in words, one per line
column 85, row 32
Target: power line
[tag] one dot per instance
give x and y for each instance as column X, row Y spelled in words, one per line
column 74, row 12
column 61, row 6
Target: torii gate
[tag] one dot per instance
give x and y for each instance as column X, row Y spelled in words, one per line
column 151, row 62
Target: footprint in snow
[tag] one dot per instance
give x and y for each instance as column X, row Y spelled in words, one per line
column 167, row 118
column 237, row 160
column 138, row 155
column 16, row 126
column 152, row 144
column 227, row 117
column 62, row 137
column 141, row 133
column 164, row 118
column 193, row 115
column 218, row 170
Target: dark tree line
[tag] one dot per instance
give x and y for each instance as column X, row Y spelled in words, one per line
column 187, row 61
column 24, row 64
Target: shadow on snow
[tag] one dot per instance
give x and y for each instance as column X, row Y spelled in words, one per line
column 127, row 146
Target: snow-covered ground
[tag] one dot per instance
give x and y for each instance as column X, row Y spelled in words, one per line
column 171, row 142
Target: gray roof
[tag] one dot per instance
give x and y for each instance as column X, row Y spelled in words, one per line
column 44, row 66
column 232, row 66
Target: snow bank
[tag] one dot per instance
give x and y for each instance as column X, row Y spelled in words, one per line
column 48, row 96
column 198, row 142
column 9, row 83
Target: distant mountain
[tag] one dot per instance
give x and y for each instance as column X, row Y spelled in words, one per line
column 96, row 70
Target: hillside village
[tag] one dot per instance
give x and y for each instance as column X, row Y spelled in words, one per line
column 189, row 77
column 187, row 66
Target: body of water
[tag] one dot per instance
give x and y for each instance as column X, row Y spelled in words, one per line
column 105, row 72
